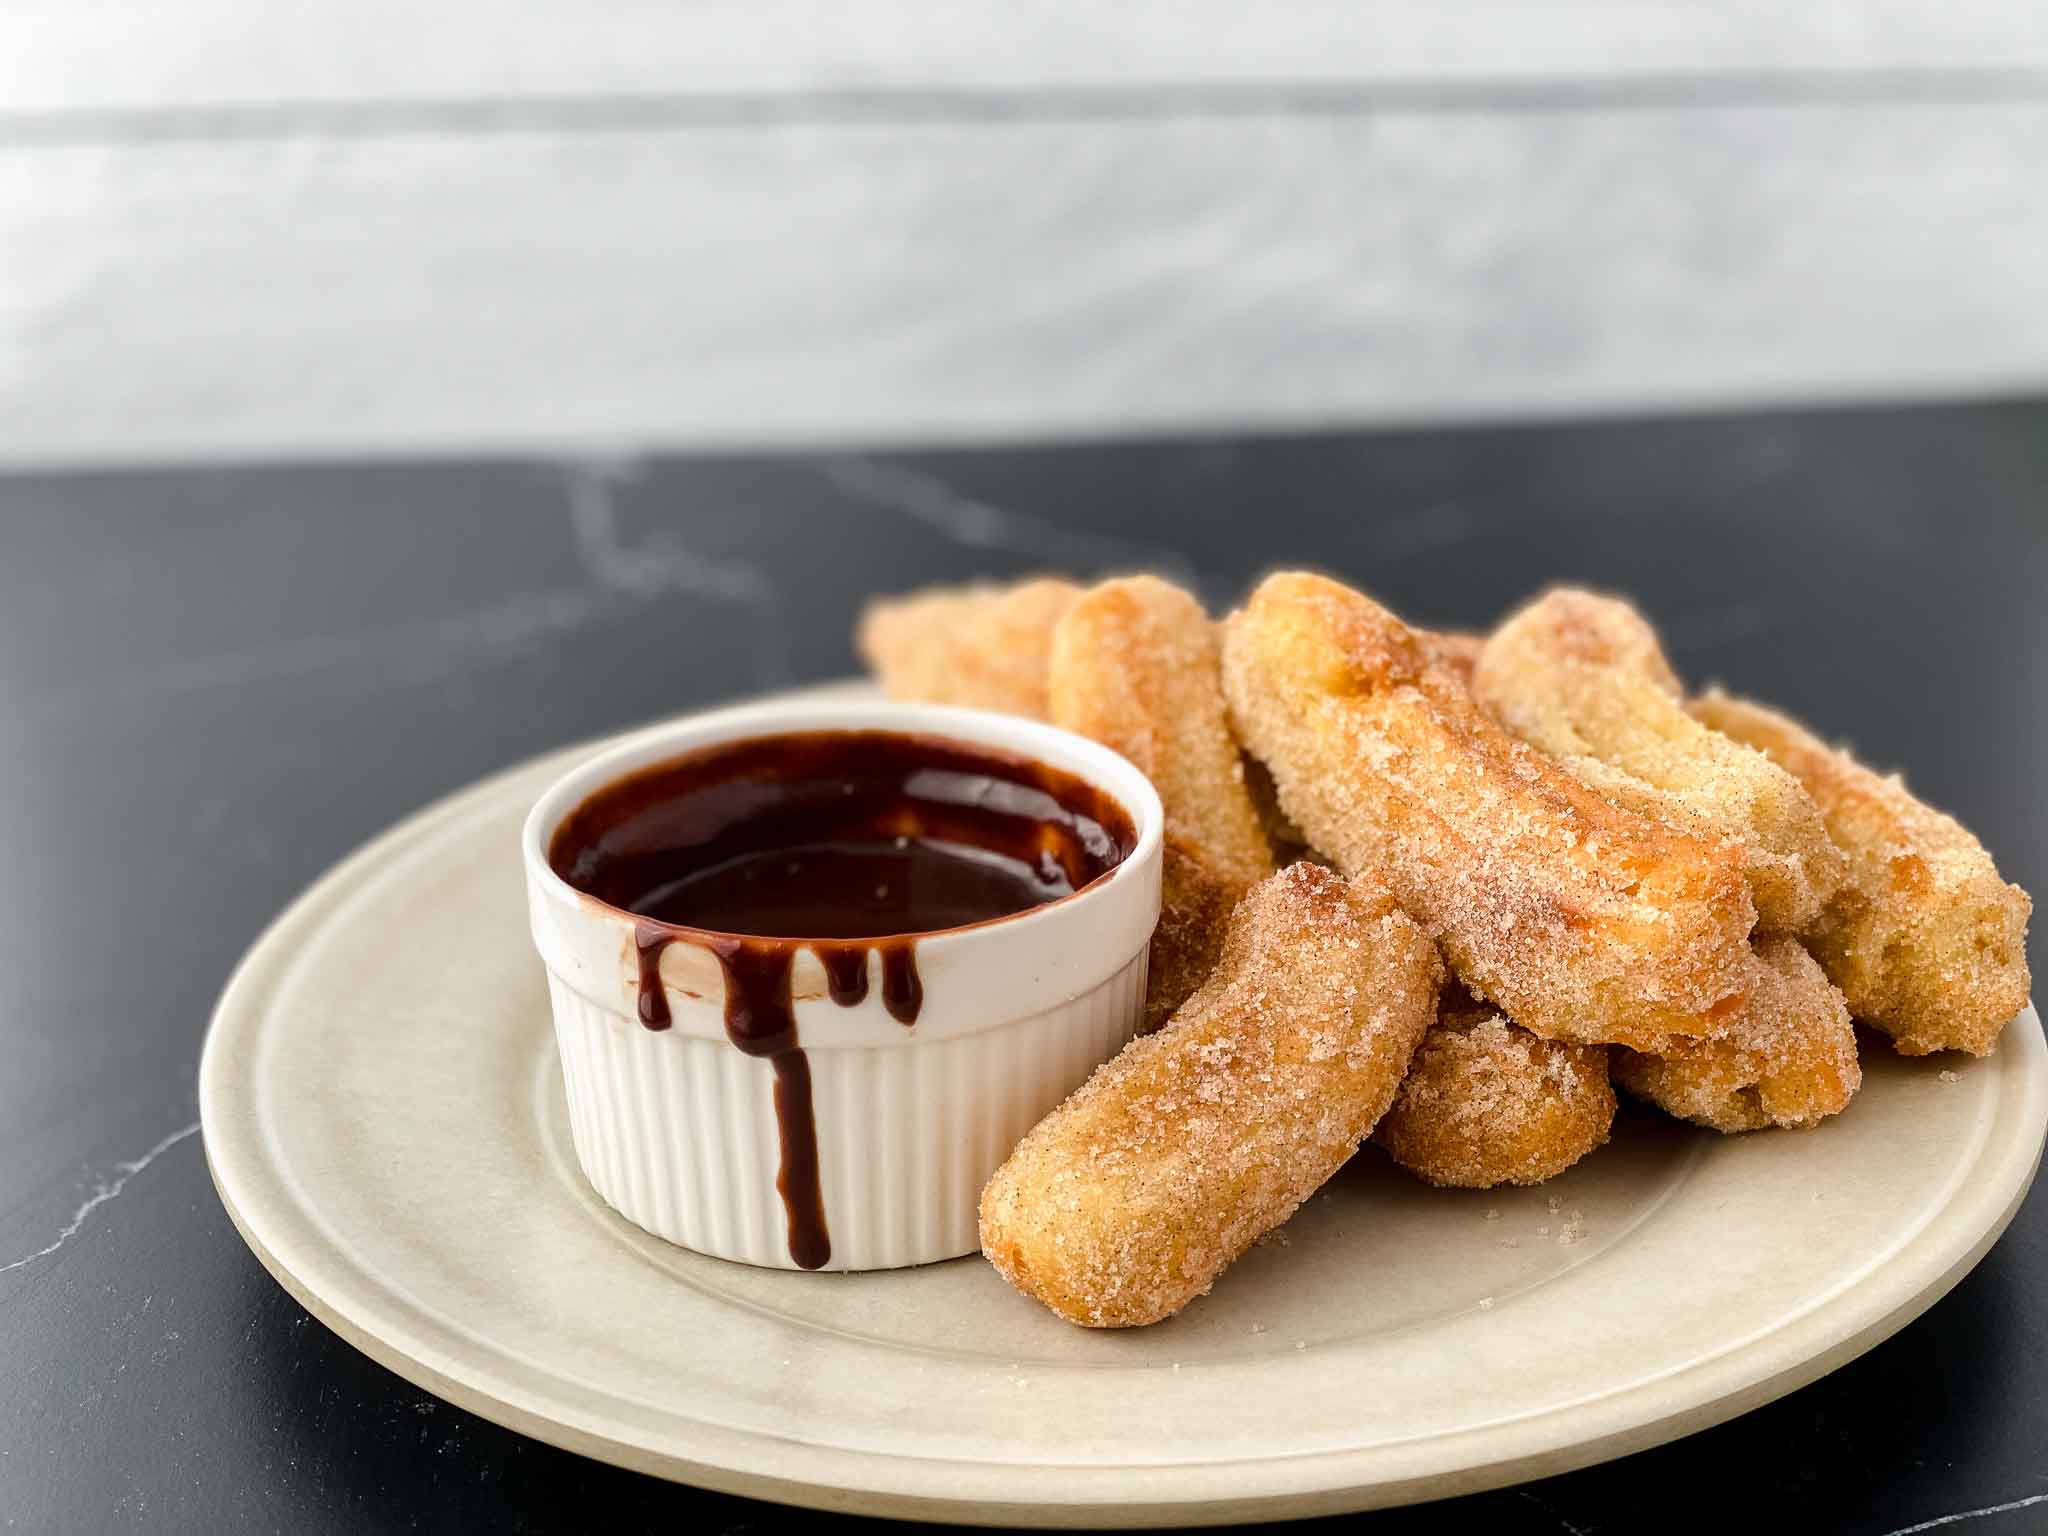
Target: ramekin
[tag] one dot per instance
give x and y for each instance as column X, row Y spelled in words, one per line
column 677, row 1128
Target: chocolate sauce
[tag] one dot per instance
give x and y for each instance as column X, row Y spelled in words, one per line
column 761, row 1020
column 846, row 973
column 846, row 843
column 649, row 940
column 902, row 991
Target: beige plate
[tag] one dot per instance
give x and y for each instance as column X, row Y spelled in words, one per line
column 384, row 1121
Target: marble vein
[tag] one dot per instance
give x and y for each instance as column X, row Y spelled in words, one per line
column 974, row 524
column 438, row 646
column 1563, row 1524
column 106, row 1191
column 1971, row 1514
column 661, row 564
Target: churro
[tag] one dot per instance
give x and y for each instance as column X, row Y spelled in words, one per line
column 1195, row 903
column 1583, row 678
column 983, row 646
column 1580, row 919
column 1455, row 650
column 1687, row 901
column 1126, row 1202
column 1790, row 1059
column 1924, row 938
column 1486, row 1103
column 1134, row 665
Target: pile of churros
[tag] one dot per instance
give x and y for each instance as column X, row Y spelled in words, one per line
column 1446, row 893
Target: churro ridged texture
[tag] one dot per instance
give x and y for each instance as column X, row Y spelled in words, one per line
column 1135, row 665
column 1580, row 919
column 1126, row 1202
column 1582, row 677
column 1924, row 938
column 1789, row 1061
column 983, row 646
column 1487, row 1103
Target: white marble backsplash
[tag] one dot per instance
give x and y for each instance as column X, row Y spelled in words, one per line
column 69, row 56
column 748, row 226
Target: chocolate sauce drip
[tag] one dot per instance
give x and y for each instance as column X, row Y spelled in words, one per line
column 902, row 991
column 759, row 1017
column 846, row 972
column 803, row 1199
column 761, row 1020
column 844, row 842
column 649, row 940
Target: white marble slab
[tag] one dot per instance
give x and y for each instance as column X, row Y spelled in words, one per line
column 726, row 286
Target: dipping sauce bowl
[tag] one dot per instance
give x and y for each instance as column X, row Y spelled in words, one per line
column 816, row 967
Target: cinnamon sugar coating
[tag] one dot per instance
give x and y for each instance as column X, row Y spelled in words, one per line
column 1924, row 938
column 983, row 646
column 1582, row 677
column 1455, row 650
column 1134, row 665
column 1126, row 1202
column 1790, row 1059
column 1487, row 1103
column 1582, row 920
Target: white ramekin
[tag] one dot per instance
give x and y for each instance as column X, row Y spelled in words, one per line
column 677, row 1128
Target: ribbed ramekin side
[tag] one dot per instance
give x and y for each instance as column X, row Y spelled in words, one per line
column 678, row 1133
column 669, row 1129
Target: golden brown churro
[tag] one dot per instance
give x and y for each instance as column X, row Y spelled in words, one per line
column 1126, row 1202
column 1485, row 1103
column 983, row 646
column 1134, row 665
column 1790, row 1060
column 1924, row 938
column 1195, row 904
column 1636, row 892
column 1582, row 677
column 1455, row 650
column 1582, row 920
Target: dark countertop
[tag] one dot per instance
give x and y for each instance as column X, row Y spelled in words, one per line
column 216, row 682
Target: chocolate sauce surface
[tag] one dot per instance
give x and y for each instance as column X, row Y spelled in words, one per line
column 840, row 835
column 846, row 843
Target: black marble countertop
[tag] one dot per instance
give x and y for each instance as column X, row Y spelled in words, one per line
column 217, row 681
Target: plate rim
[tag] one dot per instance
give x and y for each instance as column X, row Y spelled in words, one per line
column 264, row 1210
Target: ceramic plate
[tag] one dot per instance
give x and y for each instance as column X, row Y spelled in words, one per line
column 384, row 1120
